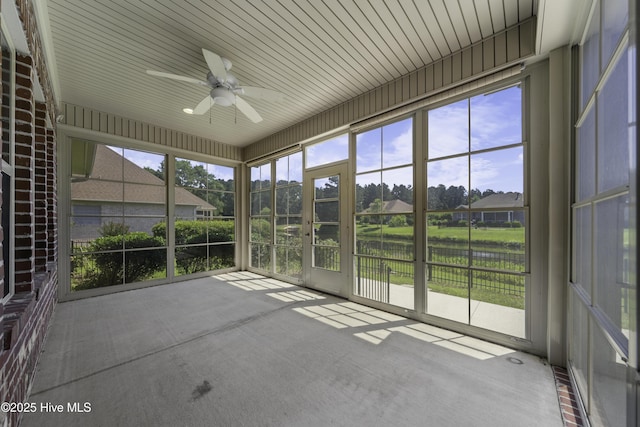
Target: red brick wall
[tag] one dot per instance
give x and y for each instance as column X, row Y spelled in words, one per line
column 26, row 315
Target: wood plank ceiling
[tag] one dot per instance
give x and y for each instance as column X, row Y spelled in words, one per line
column 319, row 53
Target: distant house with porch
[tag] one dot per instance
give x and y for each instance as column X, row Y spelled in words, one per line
column 113, row 188
column 496, row 208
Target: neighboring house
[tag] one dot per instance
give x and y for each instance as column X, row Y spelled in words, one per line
column 500, row 207
column 393, row 206
column 116, row 187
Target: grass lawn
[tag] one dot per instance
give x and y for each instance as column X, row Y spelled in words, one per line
column 489, row 235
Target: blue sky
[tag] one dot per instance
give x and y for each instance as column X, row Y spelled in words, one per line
column 152, row 160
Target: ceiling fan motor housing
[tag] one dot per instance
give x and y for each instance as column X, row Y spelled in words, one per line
column 222, row 96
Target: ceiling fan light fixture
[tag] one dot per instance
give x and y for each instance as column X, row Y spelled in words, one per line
column 188, row 110
column 222, row 96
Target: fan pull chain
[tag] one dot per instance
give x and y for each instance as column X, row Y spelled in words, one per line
column 235, row 110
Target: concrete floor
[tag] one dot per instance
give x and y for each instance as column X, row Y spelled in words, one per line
column 250, row 351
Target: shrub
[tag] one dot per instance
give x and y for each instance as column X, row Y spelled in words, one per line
column 398, row 221
column 196, row 255
column 113, row 229
column 328, row 232
column 516, row 224
column 138, row 265
column 463, row 223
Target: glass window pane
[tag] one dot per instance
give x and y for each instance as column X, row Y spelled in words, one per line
column 613, row 285
column 282, row 201
column 398, row 190
column 326, row 257
column 369, row 150
column 498, row 299
column 213, row 205
column 448, row 292
column 609, row 398
column 397, row 143
column 327, row 211
column 448, row 238
column 149, row 225
column 190, row 174
column 221, row 256
column 332, row 150
column 586, row 158
column 613, row 130
column 614, row 19
column 500, row 171
column 221, row 177
column 138, row 161
column 368, row 235
column 399, row 228
column 327, row 188
column 368, row 190
column 579, row 345
column 141, row 199
column 289, row 261
column 261, row 256
column 191, row 259
column 289, row 169
column 141, row 266
column 498, row 240
column 295, row 200
column 447, row 182
column 449, row 130
column 260, row 230
column 84, row 230
column 590, row 64
column 582, row 248
column 496, row 118
column 261, row 177
column 326, row 234
column 295, row 168
column 228, row 203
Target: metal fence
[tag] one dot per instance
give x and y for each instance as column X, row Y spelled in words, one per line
column 373, row 278
column 451, row 276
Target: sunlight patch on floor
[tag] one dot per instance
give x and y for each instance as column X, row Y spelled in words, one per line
column 349, row 314
column 292, row 296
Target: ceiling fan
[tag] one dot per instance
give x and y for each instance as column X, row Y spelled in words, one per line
column 224, row 88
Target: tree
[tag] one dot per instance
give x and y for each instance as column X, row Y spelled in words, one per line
column 195, row 179
column 402, row 192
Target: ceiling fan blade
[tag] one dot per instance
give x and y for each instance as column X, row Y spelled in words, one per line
column 248, row 110
column 203, row 106
column 262, row 93
column 177, row 77
column 216, row 65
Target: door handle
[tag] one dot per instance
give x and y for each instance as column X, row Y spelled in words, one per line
column 307, row 234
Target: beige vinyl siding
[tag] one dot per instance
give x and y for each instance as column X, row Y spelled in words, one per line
column 111, row 124
column 496, row 53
